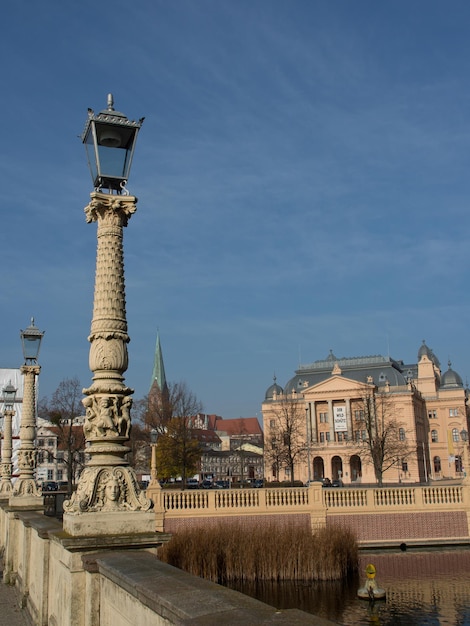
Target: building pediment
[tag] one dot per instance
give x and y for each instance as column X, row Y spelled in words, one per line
column 334, row 385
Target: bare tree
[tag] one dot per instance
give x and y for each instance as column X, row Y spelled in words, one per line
column 62, row 412
column 172, row 412
column 287, row 443
column 176, row 400
column 383, row 439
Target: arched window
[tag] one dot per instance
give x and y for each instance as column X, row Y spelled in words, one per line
column 434, row 437
column 455, row 434
column 401, row 434
column 437, row 464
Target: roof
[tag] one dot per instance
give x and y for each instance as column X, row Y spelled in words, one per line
column 205, row 436
column 375, row 368
column 239, row 426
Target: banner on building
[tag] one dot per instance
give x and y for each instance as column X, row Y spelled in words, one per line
column 339, row 416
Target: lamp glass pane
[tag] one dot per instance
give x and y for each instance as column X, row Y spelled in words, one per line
column 31, row 347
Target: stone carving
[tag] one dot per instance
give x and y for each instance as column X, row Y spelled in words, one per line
column 107, row 416
column 27, row 459
column 107, row 489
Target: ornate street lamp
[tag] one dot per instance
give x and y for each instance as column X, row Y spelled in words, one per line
column 6, row 468
column 25, row 491
column 31, row 341
column 108, row 499
column 464, row 437
column 109, row 139
column 308, row 442
column 153, row 468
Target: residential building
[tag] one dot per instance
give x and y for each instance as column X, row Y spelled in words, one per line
column 427, row 407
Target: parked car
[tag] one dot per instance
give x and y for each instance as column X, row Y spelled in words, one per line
column 192, row 483
column 207, row 484
column 221, row 484
column 326, row 482
column 258, row 483
column 50, row 485
column 337, row 483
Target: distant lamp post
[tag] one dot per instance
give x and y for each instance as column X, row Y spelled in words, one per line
column 308, row 444
column 153, row 467
column 108, row 500
column 6, row 468
column 464, row 437
column 25, row 491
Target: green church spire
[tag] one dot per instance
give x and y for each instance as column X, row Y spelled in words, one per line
column 158, row 374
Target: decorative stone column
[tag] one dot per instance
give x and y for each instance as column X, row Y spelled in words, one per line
column 25, row 492
column 6, row 464
column 108, row 499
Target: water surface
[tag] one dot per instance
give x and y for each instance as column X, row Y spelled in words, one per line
column 423, row 588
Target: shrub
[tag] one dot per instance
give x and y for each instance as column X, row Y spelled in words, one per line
column 236, row 551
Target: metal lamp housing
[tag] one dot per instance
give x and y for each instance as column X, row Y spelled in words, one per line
column 109, row 140
column 31, row 340
column 153, row 436
column 9, row 396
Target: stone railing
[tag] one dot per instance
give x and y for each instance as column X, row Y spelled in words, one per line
column 233, row 499
column 399, row 498
column 278, row 500
column 349, row 506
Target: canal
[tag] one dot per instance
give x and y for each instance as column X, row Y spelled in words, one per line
column 429, row 588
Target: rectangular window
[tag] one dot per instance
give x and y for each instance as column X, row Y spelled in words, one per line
column 453, row 412
column 323, row 418
column 340, row 436
column 432, row 414
column 357, row 435
column 41, row 443
column 359, row 415
column 364, row 435
column 328, row 436
column 322, row 437
column 50, row 474
column 272, row 423
column 50, row 443
column 404, row 466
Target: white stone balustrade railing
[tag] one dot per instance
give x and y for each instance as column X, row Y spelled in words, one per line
column 313, row 499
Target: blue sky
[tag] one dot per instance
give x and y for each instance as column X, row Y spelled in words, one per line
column 302, row 176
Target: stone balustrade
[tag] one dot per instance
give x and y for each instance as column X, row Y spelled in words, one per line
column 438, row 512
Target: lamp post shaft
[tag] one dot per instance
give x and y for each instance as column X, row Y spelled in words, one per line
column 25, row 491
column 6, row 466
column 153, row 467
column 107, row 483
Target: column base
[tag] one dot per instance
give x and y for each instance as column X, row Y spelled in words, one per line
column 26, row 501
column 101, row 523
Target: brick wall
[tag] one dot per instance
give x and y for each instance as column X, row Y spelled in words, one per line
column 402, row 526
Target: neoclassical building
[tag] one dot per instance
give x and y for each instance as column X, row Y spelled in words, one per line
column 428, row 405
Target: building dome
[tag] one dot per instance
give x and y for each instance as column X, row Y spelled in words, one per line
column 273, row 390
column 424, row 350
column 451, row 379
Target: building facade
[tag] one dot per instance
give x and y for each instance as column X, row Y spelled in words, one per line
column 334, row 400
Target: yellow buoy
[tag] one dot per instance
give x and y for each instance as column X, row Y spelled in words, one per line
column 370, row 590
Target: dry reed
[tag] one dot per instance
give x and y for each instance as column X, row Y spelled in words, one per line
column 236, row 551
